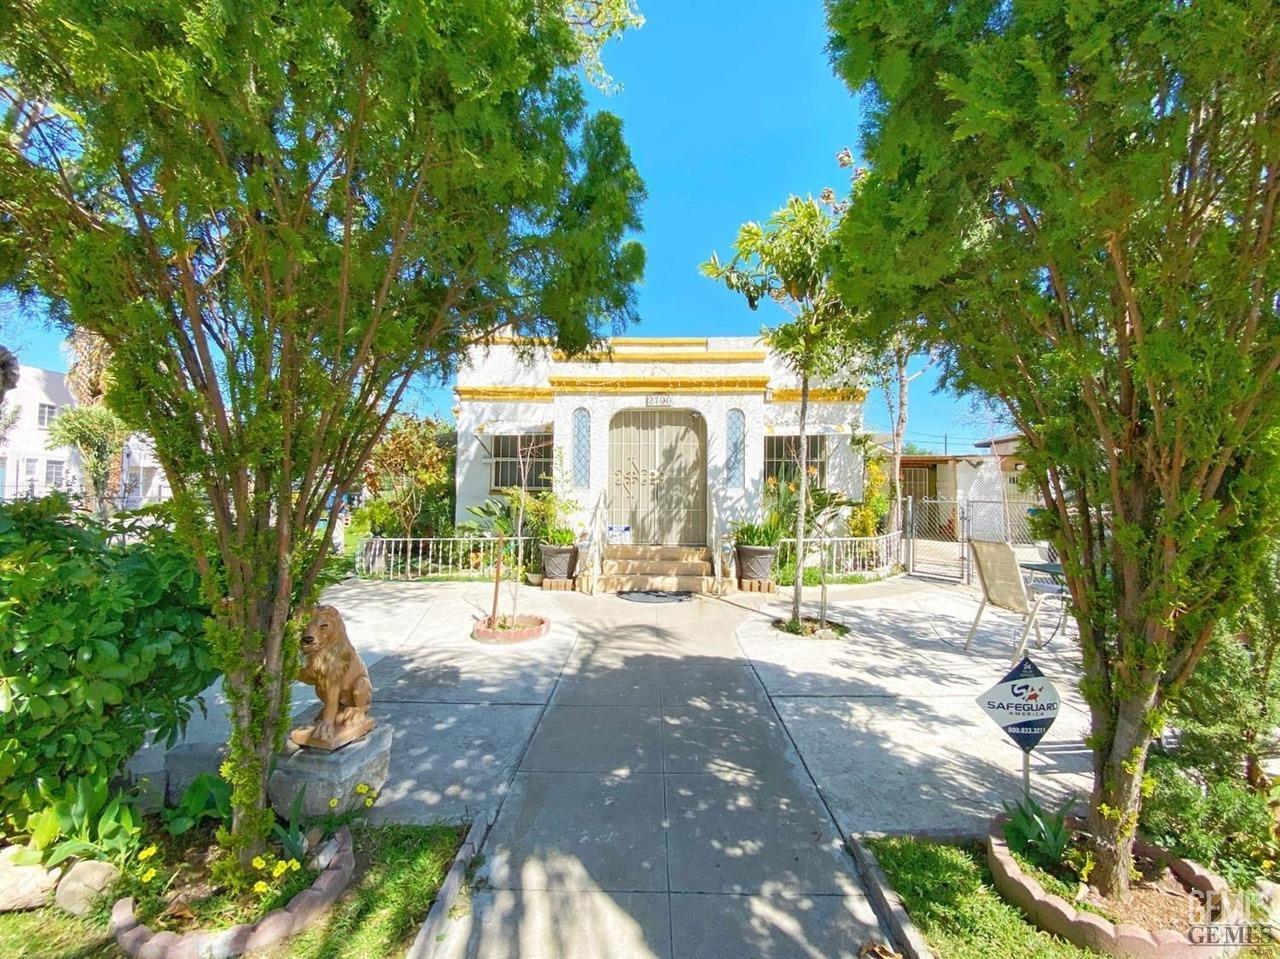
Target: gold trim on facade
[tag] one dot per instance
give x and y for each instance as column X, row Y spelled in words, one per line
column 659, row 384
column 661, row 356
column 506, row 394
column 659, row 341
column 819, row 395
column 654, row 384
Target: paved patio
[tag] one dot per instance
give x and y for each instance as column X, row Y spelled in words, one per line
column 674, row 780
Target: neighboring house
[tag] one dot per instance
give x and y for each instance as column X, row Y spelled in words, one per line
column 981, row 490
column 656, row 441
column 28, row 467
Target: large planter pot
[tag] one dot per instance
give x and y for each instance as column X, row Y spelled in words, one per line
column 558, row 562
column 756, row 562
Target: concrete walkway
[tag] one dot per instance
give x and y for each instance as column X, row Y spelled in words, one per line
column 660, row 809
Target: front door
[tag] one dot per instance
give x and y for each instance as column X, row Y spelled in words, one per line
column 658, row 476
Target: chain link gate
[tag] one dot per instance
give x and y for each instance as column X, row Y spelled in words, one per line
column 940, row 530
column 939, row 533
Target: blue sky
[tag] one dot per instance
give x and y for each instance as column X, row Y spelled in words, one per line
column 728, row 108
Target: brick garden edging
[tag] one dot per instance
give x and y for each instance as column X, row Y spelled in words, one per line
column 535, row 630
column 304, row 908
column 432, row 929
column 906, row 937
column 1089, row 930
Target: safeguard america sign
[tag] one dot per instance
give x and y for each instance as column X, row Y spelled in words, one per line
column 1024, row 704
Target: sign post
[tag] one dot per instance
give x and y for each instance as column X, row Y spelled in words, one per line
column 1024, row 704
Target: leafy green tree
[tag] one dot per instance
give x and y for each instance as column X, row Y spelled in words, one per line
column 276, row 214
column 98, row 435
column 1080, row 198
column 410, row 467
column 787, row 260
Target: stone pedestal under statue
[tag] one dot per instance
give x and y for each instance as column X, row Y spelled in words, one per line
column 328, row 774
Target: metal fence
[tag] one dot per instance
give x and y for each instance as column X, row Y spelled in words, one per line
column 939, row 532
column 847, row 555
column 450, row 557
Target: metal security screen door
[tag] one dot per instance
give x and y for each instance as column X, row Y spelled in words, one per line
column 658, row 476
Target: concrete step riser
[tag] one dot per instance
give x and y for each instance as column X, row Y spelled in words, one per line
column 696, row 584
column 654, row 567
column 669, row 554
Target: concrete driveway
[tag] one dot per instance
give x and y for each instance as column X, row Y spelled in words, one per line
column 885, row 718
column 661, row 809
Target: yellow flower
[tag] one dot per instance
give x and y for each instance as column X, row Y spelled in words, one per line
column 261, row 888
column 333, row 803
column 362, row 788
column 294, row 865
column 280, row 868
column 368, row 802
column 149, row 875
column 259, row 862
column 147, row 853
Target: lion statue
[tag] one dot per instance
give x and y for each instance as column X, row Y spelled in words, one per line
column 331, row 664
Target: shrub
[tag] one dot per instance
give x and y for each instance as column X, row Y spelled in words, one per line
column 756, row 534
column 1224, row 824
column 103, row 644
column 1044, row 835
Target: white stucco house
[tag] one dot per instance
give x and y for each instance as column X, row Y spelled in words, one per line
column 658, row 442
column 29, row 467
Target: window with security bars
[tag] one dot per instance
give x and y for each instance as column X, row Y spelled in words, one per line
column 511, row 455
column 735, row 454
column 782, row 457
column 581, row 448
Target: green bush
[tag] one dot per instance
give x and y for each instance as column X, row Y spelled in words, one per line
column 786, row 574
column 1223, row 824
column 103, row 643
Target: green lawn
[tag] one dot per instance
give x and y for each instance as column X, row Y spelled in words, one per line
column 947, row 891
column 398, row 870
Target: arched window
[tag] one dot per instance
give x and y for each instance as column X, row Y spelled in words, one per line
column 735, row 454
column 581, row 448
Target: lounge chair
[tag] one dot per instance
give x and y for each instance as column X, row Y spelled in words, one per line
column 1003, row 586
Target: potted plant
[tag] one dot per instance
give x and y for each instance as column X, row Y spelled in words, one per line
column 757, row 547
column 559, row 553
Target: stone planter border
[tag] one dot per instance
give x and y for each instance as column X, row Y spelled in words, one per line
column 1089, row 930
column 432, row 930
column 136, row 939
column 501, row 637
column 897, row 922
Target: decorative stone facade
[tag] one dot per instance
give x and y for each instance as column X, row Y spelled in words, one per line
column 508, row 388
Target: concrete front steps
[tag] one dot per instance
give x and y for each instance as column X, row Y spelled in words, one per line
column 668, row 568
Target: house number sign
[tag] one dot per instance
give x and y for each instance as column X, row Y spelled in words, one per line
column 658, row 399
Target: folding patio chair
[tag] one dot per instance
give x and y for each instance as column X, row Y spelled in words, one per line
column 1003, row 586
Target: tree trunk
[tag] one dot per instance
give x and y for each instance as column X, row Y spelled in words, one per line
column 1119, row 761
column 899, row 433
column 802, row 497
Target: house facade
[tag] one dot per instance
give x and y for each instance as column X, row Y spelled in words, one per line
column 654, row 441
column 30, row 467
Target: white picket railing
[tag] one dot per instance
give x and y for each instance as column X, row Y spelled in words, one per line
column 848, row 555
column 446, row 557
